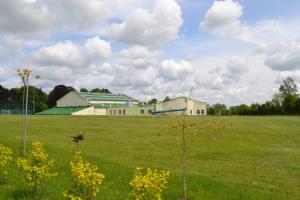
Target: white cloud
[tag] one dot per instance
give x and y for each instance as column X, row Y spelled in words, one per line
column 173, row 70
column 125, row 76
column 90, row 16
column 18, row 17
column 139, row 57
column 284, row 57
column 2, row 73
column 106, row 68
column 237, row 91
column 97, row 49
column 53, row 73
column 10, row 48
column 235, row 68
column 149, row 28
column 60, row 54
column 295, row 75
column 220, row 78
column 223, row 16
column 67, row 60
column 134, row 67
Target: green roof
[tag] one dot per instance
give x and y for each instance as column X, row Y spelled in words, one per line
column 105, row 97
column 61, row 110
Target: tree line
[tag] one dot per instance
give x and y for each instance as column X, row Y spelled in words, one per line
column 285, row 102
column 38, row 100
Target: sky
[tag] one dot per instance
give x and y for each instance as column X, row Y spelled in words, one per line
column 227, row 51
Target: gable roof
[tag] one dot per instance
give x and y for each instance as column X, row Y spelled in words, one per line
column 105, row 97
column 62, row 110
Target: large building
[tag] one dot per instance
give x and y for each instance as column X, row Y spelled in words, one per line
column 85, row 103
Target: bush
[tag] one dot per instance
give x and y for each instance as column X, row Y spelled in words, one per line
column 86, row 180
column 5, row 159
column 148, row 185
column 37, row 169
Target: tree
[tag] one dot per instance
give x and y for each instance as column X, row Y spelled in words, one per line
column 98, row 90
column 105, row 91
column 24, row 75
column 153, row 101
column 298, row 106
column 289, row 104
column 38, row 99
column 288, row 87
column 166, row 99
column 58, row 92
column 4, row 94
column 83, row 90
column 187, row 131
column 220, row 109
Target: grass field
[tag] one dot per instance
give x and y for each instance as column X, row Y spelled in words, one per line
column 251, row 158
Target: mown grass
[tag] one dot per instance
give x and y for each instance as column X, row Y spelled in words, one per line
column 250, row 158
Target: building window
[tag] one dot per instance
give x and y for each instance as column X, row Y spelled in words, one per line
column 202, row 112
column 110, row 112
column 198, row 112
column 191, row 112
column 120, row 112
column 115, row 112
column 142, row 112
column 149, row 112
column 124, row 112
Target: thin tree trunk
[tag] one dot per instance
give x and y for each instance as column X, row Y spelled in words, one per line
column 184, row 161
column 26, row 112
column 23, row 123
column 33, row 102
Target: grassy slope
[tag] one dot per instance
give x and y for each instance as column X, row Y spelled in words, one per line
column 252, row 158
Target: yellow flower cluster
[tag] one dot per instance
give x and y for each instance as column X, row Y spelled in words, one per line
column 86, row 180
column 148, row 185
column 37, row 168
column 5, row 159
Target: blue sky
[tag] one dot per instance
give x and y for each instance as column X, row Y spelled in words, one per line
column 229, row 51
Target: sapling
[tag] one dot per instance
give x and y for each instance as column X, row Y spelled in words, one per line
column 185, row 126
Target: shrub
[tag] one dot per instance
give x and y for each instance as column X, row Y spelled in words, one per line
column 5, row 159
column 149, row 184
column 86, row 180
column 37, row 168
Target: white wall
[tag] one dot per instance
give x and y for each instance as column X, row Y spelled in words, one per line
column 195, row 107
column 100, row 111
column 71, row 99
column 86, row 111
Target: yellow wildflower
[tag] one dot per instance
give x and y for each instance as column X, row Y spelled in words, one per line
column 37, row 168
column 5, row 159
column 148, row 185
column 86, row 180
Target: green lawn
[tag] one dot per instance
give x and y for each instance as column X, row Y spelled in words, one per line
column 251, row 158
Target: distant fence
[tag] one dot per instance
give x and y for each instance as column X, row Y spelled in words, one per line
column 14, row 109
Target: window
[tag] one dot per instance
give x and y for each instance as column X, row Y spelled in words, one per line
column 149, row 112
column 191, row 112
column 115, row 112
column 142, row 112
column 124, row 112
column 120, row 112
column 198, row 112
column 110, row 112
column 202, row 112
